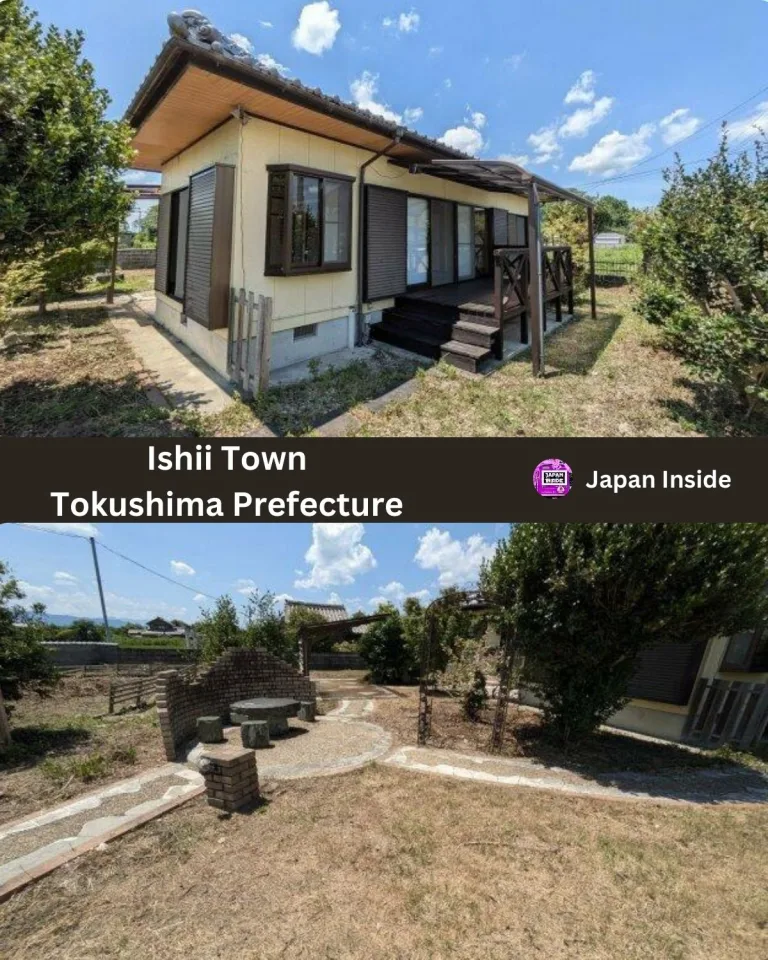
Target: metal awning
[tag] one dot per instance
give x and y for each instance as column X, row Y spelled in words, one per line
column 497, row 175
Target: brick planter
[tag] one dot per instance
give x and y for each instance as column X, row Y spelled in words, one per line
column 231, row 777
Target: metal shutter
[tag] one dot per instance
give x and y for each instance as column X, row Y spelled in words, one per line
column 499, row 227
column 667, row 672
column 202, row 203
column 163, row 243
column 386, row 221
column 209, row 246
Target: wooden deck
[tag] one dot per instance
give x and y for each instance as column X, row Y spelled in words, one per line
column 474, row 296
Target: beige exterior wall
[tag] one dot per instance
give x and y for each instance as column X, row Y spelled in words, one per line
column 303, row 299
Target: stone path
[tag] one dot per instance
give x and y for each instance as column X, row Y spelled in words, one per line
column 33, row 846
column 694, row 785
column 182, row 377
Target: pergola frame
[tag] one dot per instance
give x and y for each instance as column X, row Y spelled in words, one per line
column 501, row 176
column 139, row 191
column 471, row 601
column 309, row 632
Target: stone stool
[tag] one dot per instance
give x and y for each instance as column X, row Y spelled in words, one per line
column 307, row 711
column 231, row 777
column 255, row 734
column 210, row 730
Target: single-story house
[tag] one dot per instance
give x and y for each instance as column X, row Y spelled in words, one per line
column 351, row 226
column 680, row 688
column 331, row 612
column 610, row 239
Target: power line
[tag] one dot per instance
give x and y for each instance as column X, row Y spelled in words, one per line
column 695, row 135
column 77, row 536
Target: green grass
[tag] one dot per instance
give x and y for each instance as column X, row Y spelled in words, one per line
column 631, row 254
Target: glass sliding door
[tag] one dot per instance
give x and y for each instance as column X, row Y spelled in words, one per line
column 418, row 241
column 482, row 246
column 465, row 241
column 443, row 241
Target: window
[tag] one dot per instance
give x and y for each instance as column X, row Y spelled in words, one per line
column 747, row 652
column 309, row 221
column 173, row 216
column 308, row 330
column 518, row 230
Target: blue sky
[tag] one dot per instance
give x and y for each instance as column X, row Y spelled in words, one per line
column 357, row 564
column 582, row 90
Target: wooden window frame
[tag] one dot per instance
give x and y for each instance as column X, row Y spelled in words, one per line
column 287, row 268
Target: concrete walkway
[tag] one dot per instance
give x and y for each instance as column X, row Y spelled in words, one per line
column 181, row 376
column 692, row 785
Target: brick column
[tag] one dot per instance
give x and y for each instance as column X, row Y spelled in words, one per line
column 231, row 778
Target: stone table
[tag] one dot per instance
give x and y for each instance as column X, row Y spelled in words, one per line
column 275, row 710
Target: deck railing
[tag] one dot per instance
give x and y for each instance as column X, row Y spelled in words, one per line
column 511, row 283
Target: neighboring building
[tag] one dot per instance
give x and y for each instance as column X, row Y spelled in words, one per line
column 332, row 212
column 332, row 612
column 610, row 239
column 158, row 625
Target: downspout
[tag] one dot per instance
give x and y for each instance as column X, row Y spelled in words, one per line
column 399, row 131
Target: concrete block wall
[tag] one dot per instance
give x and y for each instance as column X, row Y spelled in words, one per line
column 73, row 654
column 134, row 258
column 237, row 675
column 336, row 661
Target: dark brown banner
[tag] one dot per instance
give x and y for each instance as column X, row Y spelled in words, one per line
column 383, row 480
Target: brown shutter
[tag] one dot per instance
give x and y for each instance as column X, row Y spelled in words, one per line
column 163, row 243
column 499, row 227
column 181, row 243
column 667, row 672
column 209, row 246
column 386, row 224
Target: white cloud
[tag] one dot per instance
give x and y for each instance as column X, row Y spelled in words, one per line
column 516, row 60
column 81, row 529
column 182, row 569
column 364, row 90
column 412, row 115
column 521, row 159
column 64, row 578
column 581, row 121
column 464, row 138
column 199, row 598
column 478, row 119
column 615, row 152
column 86, row 604
column 447, row 83
column 545, row 145
column 267, row 61
column 317, row 28
column 457, row 562
column 245, row 586
column 678, row 125
column 394, row 592
column 752, row 127
column 267, row 24
column 404, row 23
column 435, row 51
column 337, row 555
column 583, row 91
column 242, row 41
column 280, row 598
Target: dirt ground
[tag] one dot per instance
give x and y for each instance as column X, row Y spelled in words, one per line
column 383, row 863
column 67, row 744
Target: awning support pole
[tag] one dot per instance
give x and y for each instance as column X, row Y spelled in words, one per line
column 536, row 320
column 592, row 283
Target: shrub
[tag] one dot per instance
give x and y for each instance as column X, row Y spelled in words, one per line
column 384, row 647
column 476, row 698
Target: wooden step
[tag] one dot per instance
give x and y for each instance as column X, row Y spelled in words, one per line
column 477, row 333
column 481, row 317
column 430, row 325
column 422, row 344
column 465, row 356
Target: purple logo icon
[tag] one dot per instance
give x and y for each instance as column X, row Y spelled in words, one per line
column 552, row 478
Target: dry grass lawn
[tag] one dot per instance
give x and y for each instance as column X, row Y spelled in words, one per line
column 67, row 744
column 383, row 863
column 605, row 378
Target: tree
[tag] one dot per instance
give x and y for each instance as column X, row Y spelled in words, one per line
column 705, row 254
column 265, row 628
column 83, row 631
column 219, row 629
column 612, row 213
column 60, row 160
column 24, row 662
column 386, row 650
column 146, row 235
column 585, row 599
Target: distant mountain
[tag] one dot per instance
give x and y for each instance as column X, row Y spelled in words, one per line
column 66, row 620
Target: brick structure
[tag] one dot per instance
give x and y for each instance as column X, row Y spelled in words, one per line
column 237, row 675
column 231, row 777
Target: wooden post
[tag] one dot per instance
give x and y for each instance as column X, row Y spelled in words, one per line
column 239, row 337
column 535, row 294
column 5, row 727
column 112, row 698
column 569, row 278
column 592, row 285
column 113, row 267
column 265, row 311
column 247, row 388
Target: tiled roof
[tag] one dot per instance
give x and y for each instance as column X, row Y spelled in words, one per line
column 332, row 612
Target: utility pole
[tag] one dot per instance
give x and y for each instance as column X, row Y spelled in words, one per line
column 107, row 635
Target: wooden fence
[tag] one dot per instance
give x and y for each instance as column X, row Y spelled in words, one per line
column 249, row 342
column 131, row 693
column 727, row 712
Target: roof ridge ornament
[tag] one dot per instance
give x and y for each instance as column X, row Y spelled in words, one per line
column 194, row 27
